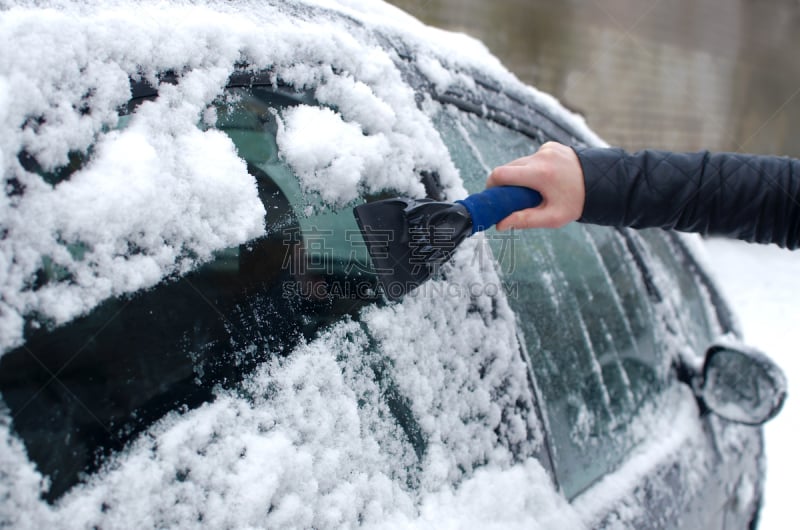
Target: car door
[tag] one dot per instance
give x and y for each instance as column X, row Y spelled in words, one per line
column 603, row 313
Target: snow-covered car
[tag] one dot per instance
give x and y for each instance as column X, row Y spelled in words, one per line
column 193, row 334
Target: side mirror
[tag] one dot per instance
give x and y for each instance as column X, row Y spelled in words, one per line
column 742, row 384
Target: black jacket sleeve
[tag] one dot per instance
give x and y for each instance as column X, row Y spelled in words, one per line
column 749, row 197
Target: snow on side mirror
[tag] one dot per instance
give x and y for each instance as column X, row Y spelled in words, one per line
column 742, row 384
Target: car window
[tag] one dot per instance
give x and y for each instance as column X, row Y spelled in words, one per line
column 686, row 283
column 83, row 390
column 584, row 310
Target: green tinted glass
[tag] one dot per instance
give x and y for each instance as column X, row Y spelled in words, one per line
column 583, row 310
column 85, row 389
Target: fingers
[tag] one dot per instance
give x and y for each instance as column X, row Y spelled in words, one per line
column 520, row 161
column 523, row 171
column 555, row 172
column 524, row 174
column 541, row 217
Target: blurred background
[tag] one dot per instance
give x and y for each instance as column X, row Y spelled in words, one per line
column 670, row 74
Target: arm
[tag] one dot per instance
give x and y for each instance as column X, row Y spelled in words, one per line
column 755, row 198
column 749, row 197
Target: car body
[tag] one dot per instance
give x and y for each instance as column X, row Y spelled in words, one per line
column 193, row 334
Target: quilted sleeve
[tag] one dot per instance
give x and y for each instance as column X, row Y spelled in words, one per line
column 749, row 197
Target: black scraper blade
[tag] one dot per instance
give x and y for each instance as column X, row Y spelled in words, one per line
column 409, row 239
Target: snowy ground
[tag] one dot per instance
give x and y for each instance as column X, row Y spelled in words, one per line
column 763, row 284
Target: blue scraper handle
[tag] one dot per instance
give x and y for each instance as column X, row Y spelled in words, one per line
column 491, row 206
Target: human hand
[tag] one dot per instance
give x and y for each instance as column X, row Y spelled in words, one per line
column 555, row 172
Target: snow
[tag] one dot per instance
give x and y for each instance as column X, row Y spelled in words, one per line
column 331, row 157
column 67, row 73
column 680, row 429
column 307, row 440
column 161, row 178
column 517, row 498
column 763, row 284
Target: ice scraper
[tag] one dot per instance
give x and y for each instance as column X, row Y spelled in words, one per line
column 408, row 239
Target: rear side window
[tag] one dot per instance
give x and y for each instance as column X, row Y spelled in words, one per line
column 695, row 321
column 584, row 312
column 83, row 390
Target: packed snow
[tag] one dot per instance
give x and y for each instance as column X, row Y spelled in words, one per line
column 67, row 75
column 307, row 440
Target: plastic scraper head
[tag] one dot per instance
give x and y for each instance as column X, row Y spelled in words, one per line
column 409, row 239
